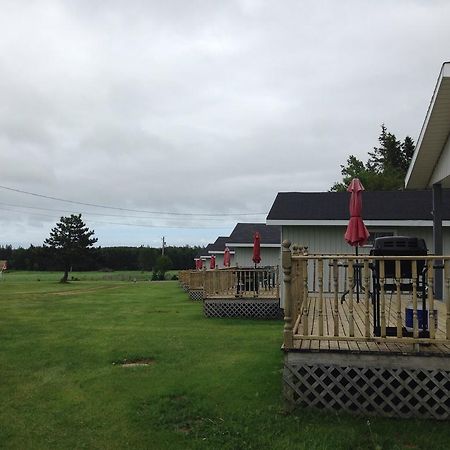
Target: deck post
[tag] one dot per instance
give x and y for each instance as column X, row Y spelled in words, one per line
column 336, row 297
column 447, row 299
column 305, row 301
column 287, row 266
column 367, row 299
column 431, row 325
column 216, row 280
column 414, row 294
column 383, row 300
column 320, row 282
column 351, row 323
column 399, row 298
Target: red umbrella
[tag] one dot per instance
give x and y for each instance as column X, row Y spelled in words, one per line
column 356, row 234
column 256, row 248
column 226, row 257
column 212, row 262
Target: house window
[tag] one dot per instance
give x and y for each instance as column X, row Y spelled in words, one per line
column 376, row 234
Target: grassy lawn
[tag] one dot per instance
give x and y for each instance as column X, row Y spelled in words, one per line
column 211, row 383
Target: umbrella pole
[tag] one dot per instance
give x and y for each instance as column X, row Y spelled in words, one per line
column 357, row 275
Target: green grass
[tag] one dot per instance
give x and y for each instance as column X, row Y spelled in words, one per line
column 213, row 383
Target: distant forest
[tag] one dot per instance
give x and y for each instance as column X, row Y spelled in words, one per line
column 100, row 258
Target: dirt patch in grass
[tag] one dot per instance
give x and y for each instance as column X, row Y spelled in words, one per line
column 136, row 362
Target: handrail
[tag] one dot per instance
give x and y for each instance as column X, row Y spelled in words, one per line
column 234, row 282
column 382, row 297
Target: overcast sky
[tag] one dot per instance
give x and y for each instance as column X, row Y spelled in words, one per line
column 198, row 107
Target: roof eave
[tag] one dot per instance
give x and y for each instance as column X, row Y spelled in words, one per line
column 428, row 148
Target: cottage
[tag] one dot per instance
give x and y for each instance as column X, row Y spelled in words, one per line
column 241, row 239
column 218, row 249
column 383, row 346
column 430, row 165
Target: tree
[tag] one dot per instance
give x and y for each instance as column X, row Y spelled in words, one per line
column 163, row 264
column 71, row 239
column 386, row 167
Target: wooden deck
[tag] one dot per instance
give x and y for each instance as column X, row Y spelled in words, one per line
column 246, row 295
column 361, row 343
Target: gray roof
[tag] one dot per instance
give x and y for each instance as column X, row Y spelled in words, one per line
column 217, row 247
column 377, row 205
column 219, row 244
column 243, row 233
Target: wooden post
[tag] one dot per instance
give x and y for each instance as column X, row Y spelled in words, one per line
column 351, row 323
column 383, row 300
column 414, row 294
column 367, row 299
column 216, row 280
column 336, row 297
column 320, row 274
column 431, row 325
column 305, row 297
column 277, row 280
column 288, row 322
column 447, row 299
column 398, row 276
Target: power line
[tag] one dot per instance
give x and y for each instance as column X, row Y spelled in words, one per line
column 34, row 194
column 87, row 213
column 183, row 227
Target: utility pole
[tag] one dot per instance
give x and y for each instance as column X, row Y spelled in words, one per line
column 163, row 246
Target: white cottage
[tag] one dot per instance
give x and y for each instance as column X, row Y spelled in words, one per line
column 318, row 220
column 217, row 249
column 430, row 165
column 241, row 239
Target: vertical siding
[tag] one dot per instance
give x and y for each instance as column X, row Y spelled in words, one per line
column 330, row 240
column 269, row 256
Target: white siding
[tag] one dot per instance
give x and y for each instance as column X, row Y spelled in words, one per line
column 442, row 169
column 330, row 240
column 270, row 256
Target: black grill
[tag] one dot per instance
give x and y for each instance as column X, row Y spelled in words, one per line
column 398, row 246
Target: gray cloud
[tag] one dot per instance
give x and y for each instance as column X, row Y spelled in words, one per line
column 201, row 106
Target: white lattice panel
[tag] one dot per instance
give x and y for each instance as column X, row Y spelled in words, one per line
column 242, row 308
column 196, row 295
column 391, row 392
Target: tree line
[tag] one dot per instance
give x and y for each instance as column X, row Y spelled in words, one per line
column 100, row 258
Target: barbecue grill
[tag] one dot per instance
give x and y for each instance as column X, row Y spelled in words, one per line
column 398, row 246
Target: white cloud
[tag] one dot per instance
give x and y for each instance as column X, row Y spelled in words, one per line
column 202, row 106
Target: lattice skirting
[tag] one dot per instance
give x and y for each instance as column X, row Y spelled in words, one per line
column 251, row 308
column 195, row 294
column 382, row 385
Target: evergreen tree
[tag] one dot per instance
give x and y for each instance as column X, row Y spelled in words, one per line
column 386, row 167
column 70, row 239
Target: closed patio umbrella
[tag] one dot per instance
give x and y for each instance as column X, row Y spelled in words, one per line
column 212, row 262
column 227, row 257
column 256, row 248
column 356, row 233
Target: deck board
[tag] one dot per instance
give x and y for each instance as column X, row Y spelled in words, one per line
column 359, row 327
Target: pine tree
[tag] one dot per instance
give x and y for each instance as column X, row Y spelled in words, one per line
column 70, row 239
column 386, row 167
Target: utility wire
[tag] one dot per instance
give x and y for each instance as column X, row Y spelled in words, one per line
column 86, row 213
column 122, row 223
column 130, row 210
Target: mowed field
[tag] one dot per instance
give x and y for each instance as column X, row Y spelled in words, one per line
column 209, row 383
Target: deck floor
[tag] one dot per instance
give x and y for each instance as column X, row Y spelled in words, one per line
column 359, row 313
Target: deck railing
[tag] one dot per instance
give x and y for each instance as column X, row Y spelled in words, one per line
column 364, row 298
column 233, row 282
